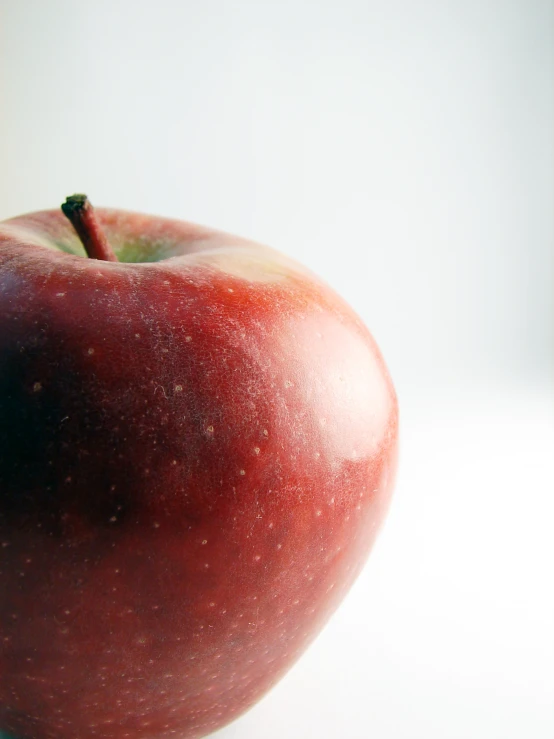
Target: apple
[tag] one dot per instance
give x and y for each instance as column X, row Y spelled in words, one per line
column 198, row 440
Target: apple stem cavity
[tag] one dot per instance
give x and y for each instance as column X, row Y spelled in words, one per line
column 80, row 212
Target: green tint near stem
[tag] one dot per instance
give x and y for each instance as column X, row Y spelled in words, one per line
column 127, row 252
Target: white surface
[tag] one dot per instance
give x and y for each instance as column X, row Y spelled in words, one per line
column 404, row 151
column 448, row 633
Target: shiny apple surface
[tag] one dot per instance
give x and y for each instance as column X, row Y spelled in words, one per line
column 197, row 448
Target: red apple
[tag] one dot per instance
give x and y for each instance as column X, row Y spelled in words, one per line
column 197, row 447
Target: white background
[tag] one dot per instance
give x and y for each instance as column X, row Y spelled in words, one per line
column 405, row 152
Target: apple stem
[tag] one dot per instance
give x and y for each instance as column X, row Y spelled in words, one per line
column 84, row 220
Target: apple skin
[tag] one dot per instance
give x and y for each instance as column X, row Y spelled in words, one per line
column 196, row 454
